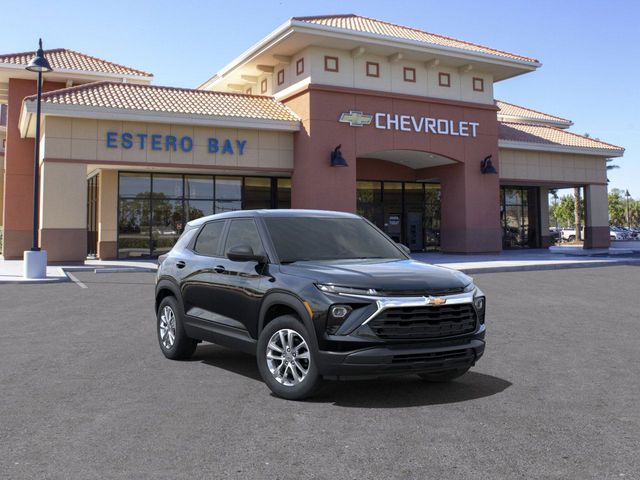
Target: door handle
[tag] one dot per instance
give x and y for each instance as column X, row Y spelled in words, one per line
column 219, row 269
column 180, row 264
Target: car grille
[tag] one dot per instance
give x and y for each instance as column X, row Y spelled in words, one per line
column 415, row 323
column 436, row 358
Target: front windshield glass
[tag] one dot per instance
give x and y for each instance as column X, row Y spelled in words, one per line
column 326, row 238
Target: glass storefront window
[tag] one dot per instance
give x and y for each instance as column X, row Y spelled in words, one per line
column 198, row 187
column 284, row 193
column 135, row 185
column 257, row 193
column 167, row 186
column 154, row 208
column 519, row 217
column 369, row 202
column 167, row 224
column 134, row 228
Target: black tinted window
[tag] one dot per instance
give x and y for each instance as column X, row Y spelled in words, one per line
column 208, row 241
column 244, row 232
column 325, row 238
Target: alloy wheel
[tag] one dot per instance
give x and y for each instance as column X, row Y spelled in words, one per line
column 167, row 327
column 288, row 357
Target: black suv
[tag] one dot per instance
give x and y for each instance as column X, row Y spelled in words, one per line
column 315, row 295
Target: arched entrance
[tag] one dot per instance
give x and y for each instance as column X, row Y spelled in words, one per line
column 395, row 192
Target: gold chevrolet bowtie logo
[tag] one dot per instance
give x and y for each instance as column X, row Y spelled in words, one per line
column 436, row 301
column 356, row 119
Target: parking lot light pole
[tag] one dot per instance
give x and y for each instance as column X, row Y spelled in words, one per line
column 35, row 260
column 627, row 195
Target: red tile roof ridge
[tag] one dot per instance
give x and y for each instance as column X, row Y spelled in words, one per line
column 504, row 52
column 561, row 130
column 56, row 50
column 532, row 110
column 89, row 85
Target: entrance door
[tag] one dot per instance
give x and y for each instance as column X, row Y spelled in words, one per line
column 92, row 217
column 414, row 231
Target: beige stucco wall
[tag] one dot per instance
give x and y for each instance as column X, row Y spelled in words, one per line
column 597, row 205
column 551, row 167
column 82, row 139
column 63, row 195
column 352, row 73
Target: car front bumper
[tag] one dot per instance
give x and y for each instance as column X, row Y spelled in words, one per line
column 403, row 358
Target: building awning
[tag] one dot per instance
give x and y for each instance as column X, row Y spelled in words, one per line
column 155, row 104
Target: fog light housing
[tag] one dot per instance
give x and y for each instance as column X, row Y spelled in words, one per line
column 480, row 304
column 336, row 317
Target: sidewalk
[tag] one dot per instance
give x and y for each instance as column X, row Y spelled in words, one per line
column 535, row 259
column 506, row 261
column 11, row 270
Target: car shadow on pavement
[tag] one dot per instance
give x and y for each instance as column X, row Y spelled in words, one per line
column 409, row 391
column 382, row 392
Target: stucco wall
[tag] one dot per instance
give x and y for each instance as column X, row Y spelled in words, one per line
column 82, row 139
column 551, row 167
column 352, row 73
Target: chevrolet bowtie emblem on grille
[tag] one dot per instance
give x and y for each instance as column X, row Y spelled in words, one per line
column 436, row 301
column 355, row 119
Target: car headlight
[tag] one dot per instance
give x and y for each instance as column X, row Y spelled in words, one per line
column 470, row 288
column 336, row 317
column 346, row 290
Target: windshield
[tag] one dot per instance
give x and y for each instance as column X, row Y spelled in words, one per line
column 326, row 238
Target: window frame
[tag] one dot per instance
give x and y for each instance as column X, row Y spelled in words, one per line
column 300, row 66
column 280, row 76
column 407, row 70
column 223, row 237
column 327, row 59
column 480, row 82
column 372, row 64
column 264, row 86
column 443, row 75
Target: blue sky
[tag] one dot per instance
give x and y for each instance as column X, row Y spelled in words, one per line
column 588, row 48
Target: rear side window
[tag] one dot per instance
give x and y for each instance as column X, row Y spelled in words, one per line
column 208, row 242
column 244, row 232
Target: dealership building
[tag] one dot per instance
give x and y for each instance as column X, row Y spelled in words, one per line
column 337, row 112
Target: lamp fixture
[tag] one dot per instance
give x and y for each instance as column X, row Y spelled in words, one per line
column 337, row 160
column 486, row 166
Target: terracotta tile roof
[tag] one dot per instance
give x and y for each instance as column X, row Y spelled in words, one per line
column 547, row 135
column 65, row 59
column 511, row 110
column 154, row 98
column 369, row 25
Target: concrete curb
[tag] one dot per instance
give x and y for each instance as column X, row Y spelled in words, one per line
column 552, row 266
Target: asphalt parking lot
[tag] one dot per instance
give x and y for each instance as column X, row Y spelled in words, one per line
column 86, row 393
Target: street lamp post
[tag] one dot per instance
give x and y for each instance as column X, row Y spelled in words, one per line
column 627, row 195
column 35, row 260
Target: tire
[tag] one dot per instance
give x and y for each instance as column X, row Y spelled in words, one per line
column 182, row 346
column 291, row 374
column 571, row 238
column 444, row 376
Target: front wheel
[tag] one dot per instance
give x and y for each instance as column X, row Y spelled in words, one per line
column 286, row 360
column 444, row 376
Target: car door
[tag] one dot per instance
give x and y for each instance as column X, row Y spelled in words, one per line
column 240, row 293
column 198, row 272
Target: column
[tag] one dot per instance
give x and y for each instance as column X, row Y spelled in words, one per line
column 108, row 214
column 545, row 234
column 597, row 216
column 63, row 211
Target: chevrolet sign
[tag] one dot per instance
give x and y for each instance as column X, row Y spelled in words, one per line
column 356, row 119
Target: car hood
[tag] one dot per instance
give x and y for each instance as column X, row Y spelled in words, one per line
column 397, row 275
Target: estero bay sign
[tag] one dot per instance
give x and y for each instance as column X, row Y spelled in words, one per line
column 171, row 143
column 411, row 123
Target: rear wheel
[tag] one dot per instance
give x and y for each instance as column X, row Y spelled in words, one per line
column 174, row 342
column 444, row 376
column 571, row 238
column 286, row 360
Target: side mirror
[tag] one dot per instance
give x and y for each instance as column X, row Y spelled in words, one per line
column 244, row 253
column 404, row 248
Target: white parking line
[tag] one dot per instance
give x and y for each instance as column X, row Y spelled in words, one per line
column 75, row 280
